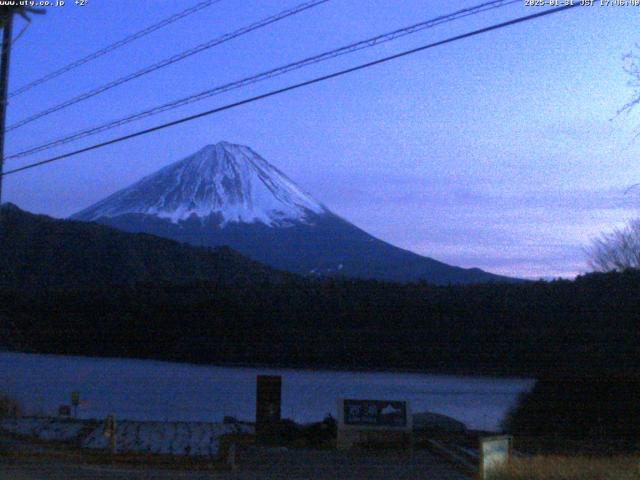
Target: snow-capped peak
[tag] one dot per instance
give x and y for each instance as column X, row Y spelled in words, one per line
column 224, row 179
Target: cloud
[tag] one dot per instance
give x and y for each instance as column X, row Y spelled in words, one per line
column 538, row 232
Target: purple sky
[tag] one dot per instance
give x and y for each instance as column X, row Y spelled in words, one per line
column 501, row 151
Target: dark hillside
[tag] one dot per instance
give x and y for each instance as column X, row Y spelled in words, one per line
column 79, row 288
column 40, row 252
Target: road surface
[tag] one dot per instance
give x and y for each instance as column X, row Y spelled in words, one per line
column 24, row 460
column 252, row 463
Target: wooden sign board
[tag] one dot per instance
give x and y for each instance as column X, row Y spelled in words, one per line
column 268, row 407
column 495, row 453
column 374, row 422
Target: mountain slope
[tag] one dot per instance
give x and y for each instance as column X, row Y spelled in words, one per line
column 42, row 252
column 230, row 182
column 227, row 194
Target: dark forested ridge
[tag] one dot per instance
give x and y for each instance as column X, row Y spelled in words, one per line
column 248, row 314
column 42, row 252
column 585, row 326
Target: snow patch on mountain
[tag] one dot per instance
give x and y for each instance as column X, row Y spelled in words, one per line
column 227, row 180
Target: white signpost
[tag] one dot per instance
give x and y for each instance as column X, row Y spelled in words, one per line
column 374, row 421
column 495, row 453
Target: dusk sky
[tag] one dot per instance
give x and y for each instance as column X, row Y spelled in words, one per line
column 502, row 151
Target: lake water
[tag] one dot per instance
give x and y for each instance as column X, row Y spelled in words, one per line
column 153, row 390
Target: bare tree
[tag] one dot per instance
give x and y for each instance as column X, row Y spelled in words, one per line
column 618, row 250
column 632, row 67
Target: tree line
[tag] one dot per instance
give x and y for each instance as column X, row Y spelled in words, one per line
column 531, row 329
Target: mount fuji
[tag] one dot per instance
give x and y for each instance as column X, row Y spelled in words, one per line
column 226, row 194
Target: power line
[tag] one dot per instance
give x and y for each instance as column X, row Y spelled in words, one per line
column 169, row 61
column 371, row 42
column 17, row 37
column 114, row 46
column 294, row 87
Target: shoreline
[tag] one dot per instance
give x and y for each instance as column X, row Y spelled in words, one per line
column 458, row 373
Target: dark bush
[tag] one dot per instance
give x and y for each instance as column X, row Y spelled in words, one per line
column 9, row 408
column 581, row 408
column 318, row 434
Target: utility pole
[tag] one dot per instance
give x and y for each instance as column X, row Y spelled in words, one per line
column 5, row 57
column 6, row 21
